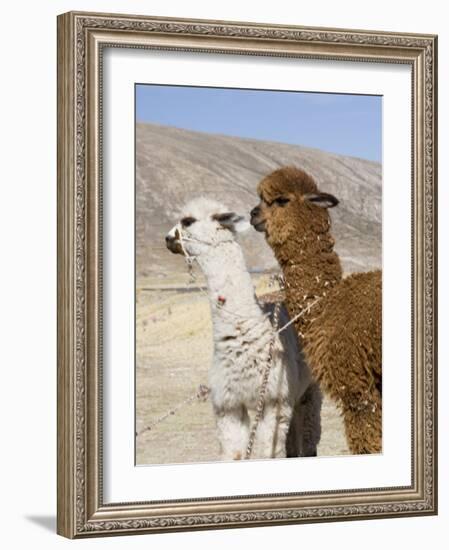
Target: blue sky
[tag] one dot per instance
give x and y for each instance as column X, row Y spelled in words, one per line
column 343, row 124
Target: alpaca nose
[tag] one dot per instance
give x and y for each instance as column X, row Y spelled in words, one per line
column 172, row 244
column 255, row 211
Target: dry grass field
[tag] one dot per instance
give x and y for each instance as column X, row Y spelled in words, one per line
column 174, row 348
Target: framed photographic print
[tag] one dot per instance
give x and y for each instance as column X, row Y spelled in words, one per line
column 246, row 274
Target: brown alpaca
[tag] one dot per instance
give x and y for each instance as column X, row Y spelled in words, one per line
column 341, row 332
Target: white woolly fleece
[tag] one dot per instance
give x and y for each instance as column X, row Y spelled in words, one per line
column 242, row 334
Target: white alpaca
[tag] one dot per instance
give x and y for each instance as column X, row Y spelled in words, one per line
column 243, row 334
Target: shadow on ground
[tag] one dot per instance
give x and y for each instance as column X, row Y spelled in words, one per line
column 46, row 522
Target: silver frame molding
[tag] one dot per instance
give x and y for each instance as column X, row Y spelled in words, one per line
column 81, row 39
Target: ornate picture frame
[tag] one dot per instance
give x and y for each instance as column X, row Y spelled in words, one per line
column 82, row 40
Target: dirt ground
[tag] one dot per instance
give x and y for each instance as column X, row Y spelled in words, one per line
column 173, row 353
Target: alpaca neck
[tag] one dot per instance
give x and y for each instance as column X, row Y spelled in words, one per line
column 231, row 291
column 311, row 269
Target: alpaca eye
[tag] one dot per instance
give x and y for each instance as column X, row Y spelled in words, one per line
column 187, row 222
column 281, row 201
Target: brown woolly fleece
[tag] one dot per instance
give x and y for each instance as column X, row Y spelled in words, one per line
column 342, row 331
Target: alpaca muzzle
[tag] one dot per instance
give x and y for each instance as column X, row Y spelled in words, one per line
column 257, row 220
column 173, row 244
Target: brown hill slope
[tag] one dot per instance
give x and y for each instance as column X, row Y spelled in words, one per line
column 174, row 165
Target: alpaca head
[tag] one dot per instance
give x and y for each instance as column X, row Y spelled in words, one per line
column 203, row 224
column 291, row 206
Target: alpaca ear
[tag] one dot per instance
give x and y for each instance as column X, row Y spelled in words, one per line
column 241, row 225
column 232, row 221
column 325, row 200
